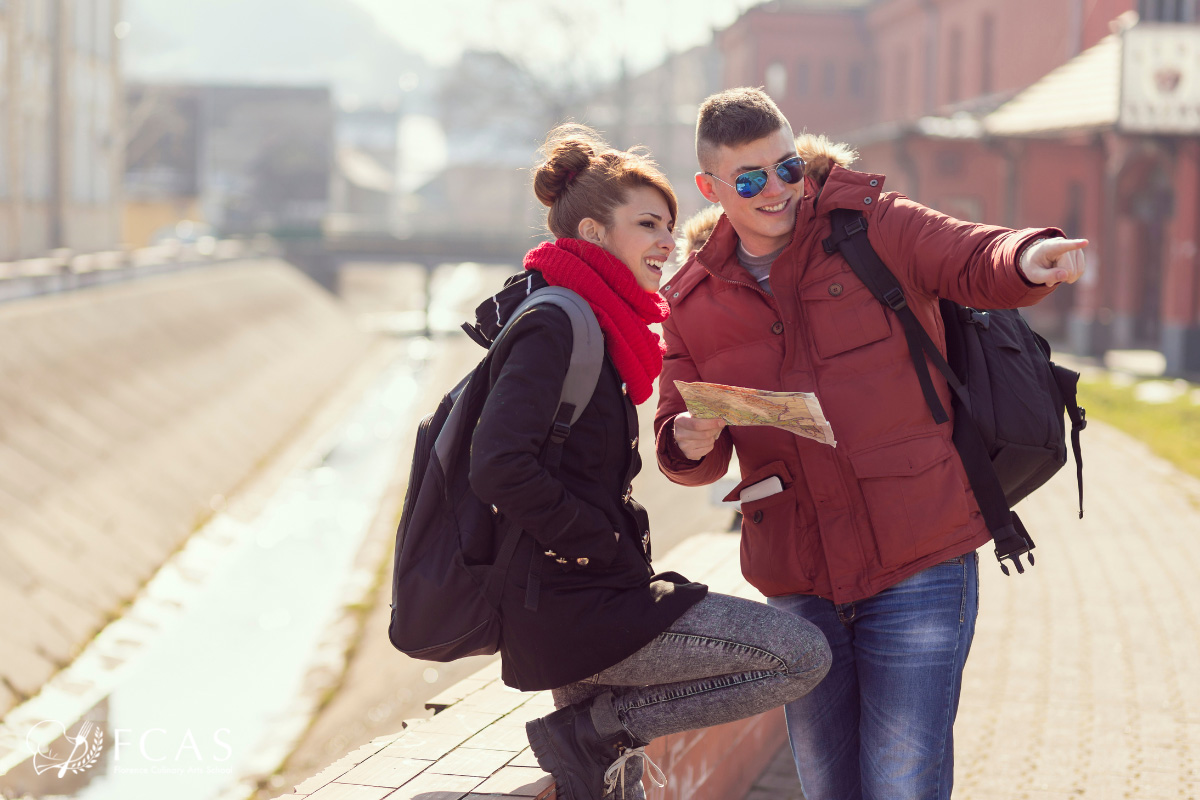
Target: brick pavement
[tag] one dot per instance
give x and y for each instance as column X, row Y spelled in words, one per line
column 1084, row 678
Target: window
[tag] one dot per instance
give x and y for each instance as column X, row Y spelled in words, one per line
column 775, row 79
column 954, row 73
column 987, row 39
column 856, row 81
column 802, row 79
column 1167, row 10
column 829, row 79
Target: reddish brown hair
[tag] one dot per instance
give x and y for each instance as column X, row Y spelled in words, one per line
column 583, row 177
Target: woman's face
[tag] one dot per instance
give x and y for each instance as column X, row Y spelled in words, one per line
column 640, row 235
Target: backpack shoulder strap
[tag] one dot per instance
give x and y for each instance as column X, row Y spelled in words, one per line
column 583, row 372
column 850, row 237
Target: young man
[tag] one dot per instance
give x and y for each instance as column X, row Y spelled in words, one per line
column 874, row 540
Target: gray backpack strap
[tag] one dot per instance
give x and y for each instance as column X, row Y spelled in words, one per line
column 583, row 372
column 587, row 353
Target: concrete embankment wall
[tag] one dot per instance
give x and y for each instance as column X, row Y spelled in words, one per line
column 126, row 413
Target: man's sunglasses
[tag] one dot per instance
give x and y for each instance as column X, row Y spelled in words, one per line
column 749, row 184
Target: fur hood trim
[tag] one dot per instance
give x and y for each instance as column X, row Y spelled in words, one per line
column 820, row 154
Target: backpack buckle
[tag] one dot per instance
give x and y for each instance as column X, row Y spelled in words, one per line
column 895, row 299
column 859, row 225
column 560, row 432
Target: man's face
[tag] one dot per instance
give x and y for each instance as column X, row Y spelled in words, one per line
column 764, row 222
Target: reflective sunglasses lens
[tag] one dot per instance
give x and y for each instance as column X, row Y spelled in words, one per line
column 790, row 171
column 748, row 184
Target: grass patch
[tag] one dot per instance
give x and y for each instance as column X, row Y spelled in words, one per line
column 1171, row 429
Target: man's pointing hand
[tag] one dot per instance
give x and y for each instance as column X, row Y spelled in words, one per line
column 1054, row 261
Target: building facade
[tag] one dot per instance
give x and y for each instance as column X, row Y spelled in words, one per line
column 241, row 159
column 60, row 135
column 1080, row 113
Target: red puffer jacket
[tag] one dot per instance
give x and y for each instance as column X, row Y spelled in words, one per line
column 892, row 498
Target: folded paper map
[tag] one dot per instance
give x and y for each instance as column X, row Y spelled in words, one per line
column 798, row 412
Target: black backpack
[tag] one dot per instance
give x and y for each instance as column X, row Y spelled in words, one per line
column 1009, row 397
column 453, row 551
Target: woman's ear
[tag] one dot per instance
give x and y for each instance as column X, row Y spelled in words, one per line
column 590, row 230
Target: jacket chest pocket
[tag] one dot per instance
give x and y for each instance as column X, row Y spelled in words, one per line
column 842, row 315
column 914, row 496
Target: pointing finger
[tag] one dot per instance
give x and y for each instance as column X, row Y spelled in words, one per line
column 1056, row 248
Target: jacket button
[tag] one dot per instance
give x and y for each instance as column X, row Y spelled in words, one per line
column 757, row 516
column 777, row 327
column 874, row 182
column 551, row 554
column 866, row 201
column 628, row 494
column 624, row 388
column 667, row 288
column 583, row 562
column 561, row 560
column 645, row 539
column 835, row 289
column 633, row 444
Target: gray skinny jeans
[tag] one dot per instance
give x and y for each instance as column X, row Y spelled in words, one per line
column 725, row 659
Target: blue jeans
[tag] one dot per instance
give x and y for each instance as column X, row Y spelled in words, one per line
column 881, row 724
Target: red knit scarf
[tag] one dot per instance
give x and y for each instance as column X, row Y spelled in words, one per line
column 623, row 308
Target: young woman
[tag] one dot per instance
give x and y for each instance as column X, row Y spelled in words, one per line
column 629, row 654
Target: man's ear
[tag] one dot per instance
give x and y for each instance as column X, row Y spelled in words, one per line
column 590, row 230
column 705, row 184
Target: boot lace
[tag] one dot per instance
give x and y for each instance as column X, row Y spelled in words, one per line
column 616, row 771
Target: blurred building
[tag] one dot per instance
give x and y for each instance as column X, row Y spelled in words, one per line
column 657, row 109
column 364, row 194
column 1081, row 113
column 494, row 115
column 60, row 153
column 241, row 159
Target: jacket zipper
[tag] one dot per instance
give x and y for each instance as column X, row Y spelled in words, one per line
column 759, row 289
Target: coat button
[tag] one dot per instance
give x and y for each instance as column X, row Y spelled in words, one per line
column 551, row 554
column 675, row 295
column 633, row 444
column 561, row 560
column 646, row 539
column 624, row 388
column 777, row 327
column 835, row 289
column 874, row 182
column 757, row 516
column 628, row 494
column 667, row 288
column 866, row 201
column 583, row 562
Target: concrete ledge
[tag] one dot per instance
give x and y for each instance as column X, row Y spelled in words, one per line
column 475, row 748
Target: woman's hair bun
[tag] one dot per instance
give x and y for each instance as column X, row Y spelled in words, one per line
column 568, row 150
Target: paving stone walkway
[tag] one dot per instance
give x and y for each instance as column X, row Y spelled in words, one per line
column 1084, row 678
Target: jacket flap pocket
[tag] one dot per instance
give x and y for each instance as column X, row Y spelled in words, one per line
column 905, row 457
column 777, row 468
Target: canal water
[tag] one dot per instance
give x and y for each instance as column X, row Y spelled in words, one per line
column 197, row 685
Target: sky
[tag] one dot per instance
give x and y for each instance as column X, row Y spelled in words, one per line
column 353, row 42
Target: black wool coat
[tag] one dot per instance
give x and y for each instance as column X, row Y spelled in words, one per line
column 589, row 541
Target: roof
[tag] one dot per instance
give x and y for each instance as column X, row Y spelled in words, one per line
column 1081, row 95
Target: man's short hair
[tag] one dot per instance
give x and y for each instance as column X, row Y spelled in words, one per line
column 734, row 117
